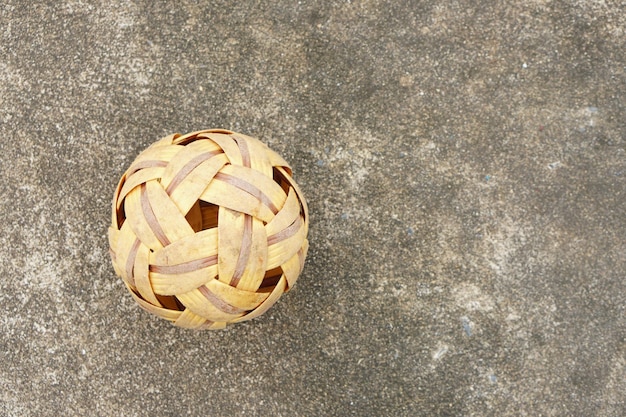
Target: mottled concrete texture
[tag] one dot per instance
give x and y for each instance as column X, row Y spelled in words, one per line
column 465, row 164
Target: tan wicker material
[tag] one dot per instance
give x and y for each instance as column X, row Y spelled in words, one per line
column 208, row 228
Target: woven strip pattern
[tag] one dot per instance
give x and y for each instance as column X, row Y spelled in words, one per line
column 208, row 228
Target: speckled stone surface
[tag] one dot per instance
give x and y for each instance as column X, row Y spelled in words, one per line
column 465, row 166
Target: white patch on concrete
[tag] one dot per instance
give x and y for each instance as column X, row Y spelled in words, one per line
column 471, row 298
column 440, row 352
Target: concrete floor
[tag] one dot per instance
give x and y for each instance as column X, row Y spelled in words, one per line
column 465, row 166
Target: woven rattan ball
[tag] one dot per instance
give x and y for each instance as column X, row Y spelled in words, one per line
column 208, row 228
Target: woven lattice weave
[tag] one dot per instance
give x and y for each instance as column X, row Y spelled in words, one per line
column 208, row 228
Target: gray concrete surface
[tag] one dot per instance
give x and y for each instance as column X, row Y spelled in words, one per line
column 465, row 164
